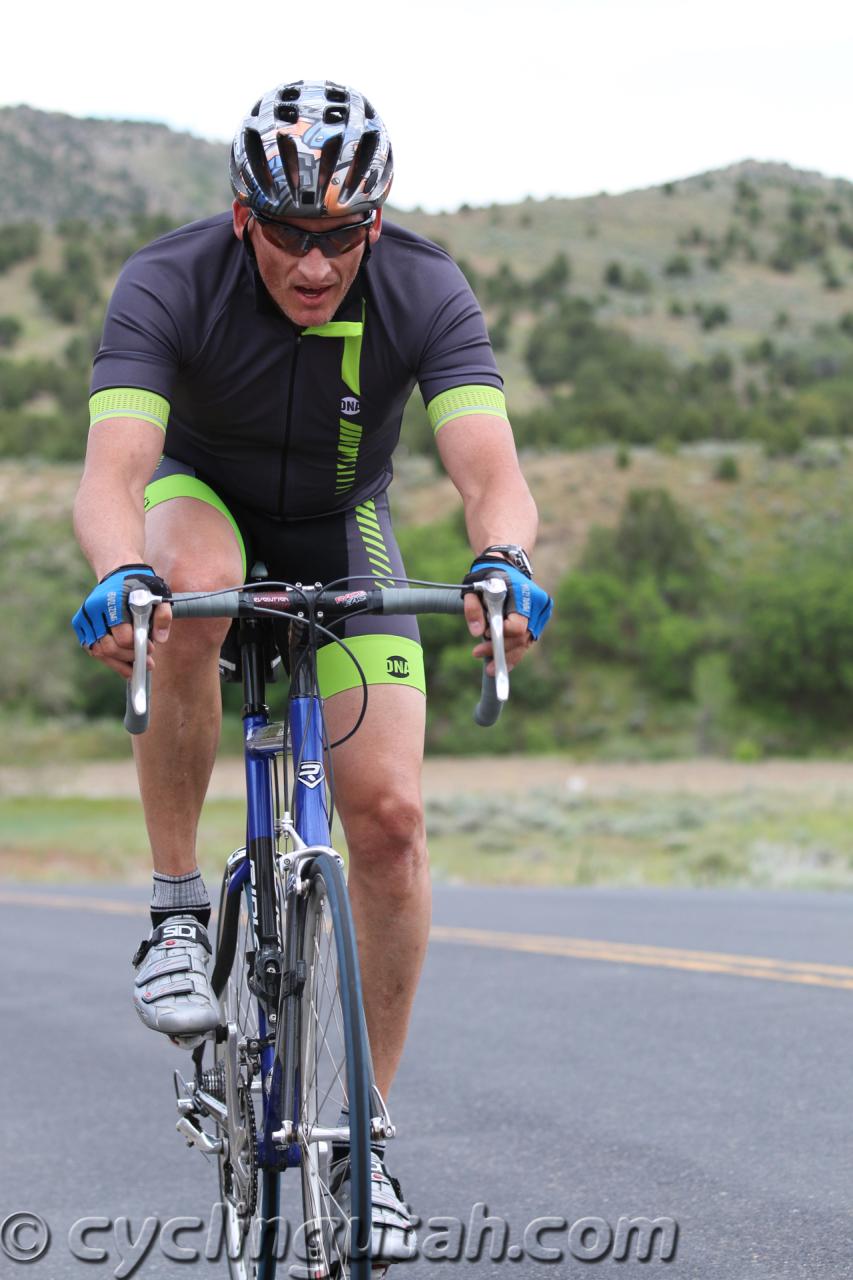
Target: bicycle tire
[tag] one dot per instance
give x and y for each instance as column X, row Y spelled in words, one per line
column 334, row 1068
column 250, row 1245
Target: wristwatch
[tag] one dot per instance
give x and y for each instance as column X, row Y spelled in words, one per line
column 515, row 554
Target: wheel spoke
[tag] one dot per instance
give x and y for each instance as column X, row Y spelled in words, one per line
column 239, row 1177
column 331, row 1057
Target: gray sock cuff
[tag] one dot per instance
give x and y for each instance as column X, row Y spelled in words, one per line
column 172, row 892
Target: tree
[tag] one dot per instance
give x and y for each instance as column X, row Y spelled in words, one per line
column 18, row 241
column 678, row 265
column 552, row 280
column 10, row 330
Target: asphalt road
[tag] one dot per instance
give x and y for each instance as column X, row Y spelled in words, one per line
column 582, row 1055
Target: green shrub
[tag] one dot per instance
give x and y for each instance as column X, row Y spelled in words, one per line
column 793, row 638
column 727, row 469
column 654, row 540
column 552, row 280
column 712, row 314
column 69, row 294
column 10, row 331
column 499, row 331
column 678, row 265
column 669, row 645
column 614, row 276
column 18, row 241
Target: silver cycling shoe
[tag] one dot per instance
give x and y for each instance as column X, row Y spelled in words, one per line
column 392, row 1236
column 172, row 991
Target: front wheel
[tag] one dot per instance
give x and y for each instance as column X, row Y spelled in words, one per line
column 249, row 1195
column 333, row 1082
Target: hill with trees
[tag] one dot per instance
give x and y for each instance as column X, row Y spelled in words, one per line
column 679, row 366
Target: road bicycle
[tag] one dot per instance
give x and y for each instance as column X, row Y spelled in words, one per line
column 290, row 1084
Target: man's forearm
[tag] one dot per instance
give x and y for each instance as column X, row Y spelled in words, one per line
column 502, row 513
column 110, row 525
column 479, row 455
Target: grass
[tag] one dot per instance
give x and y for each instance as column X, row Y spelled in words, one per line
column 769, row 839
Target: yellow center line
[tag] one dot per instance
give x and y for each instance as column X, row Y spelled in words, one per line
column 763, row 968
column 803, row 973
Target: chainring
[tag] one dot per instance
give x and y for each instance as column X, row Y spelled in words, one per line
column 242, row 1186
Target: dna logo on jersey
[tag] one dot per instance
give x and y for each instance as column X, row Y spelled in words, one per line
column 350, row 406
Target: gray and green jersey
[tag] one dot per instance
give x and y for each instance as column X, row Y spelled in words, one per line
column 290, row 423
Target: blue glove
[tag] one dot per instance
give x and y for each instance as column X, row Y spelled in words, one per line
column 524, row 596
column 104, row 606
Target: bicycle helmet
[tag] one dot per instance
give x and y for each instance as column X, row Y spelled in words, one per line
column 311, row 149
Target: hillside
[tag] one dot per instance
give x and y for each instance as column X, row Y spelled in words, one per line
column 60, row 166
column 727, row 226
column 713, row 263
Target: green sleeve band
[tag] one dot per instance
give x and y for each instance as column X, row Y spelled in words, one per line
column 459, row 402
column 129, row 402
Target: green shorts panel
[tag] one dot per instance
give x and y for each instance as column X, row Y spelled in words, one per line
column 385, row 659
column 183, row 486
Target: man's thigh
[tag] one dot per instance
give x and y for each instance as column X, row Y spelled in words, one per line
column 379, row 767
column 190, row 531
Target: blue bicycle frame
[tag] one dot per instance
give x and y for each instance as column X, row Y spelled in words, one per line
column 256, row 876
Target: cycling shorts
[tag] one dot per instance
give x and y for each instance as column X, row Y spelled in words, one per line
column 356, row 546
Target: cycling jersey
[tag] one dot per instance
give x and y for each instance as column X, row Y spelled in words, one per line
column 291, row 423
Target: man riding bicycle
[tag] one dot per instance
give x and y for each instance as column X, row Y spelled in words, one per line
column 246, row 400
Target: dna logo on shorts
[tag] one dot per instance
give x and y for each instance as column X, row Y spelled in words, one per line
column 311, row 773
column 397, row 666
column 349, row 406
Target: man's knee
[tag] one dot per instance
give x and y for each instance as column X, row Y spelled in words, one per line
column 198, row 635
column 386, row 835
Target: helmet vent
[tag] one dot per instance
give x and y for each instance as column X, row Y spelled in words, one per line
column 336, row 92
column 256, row 109
column 328, row 163
column 336, row 115
column 290, row 92
column 287, row 113
column 361, row 162
column 369, row 110
column 258, row 162
column 290, row 161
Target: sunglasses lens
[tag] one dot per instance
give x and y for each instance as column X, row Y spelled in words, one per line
column 345, row 239
column 330, row 243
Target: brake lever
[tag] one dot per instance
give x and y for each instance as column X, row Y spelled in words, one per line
column 494, row 592
column 140, row 602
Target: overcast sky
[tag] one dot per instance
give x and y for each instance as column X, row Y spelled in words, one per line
column 484, row 101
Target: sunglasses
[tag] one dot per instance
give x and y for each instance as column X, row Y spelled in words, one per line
column 331, row 244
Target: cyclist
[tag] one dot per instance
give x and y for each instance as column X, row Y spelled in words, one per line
column 246, row 399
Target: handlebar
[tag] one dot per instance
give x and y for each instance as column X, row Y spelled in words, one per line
column 262, row 600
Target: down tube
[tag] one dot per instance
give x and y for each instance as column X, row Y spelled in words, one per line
column 311, row 814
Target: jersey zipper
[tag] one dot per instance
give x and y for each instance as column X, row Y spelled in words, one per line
column 282, row 482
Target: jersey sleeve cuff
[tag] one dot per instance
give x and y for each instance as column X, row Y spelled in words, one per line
column 129, row 402
column 459, row 402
